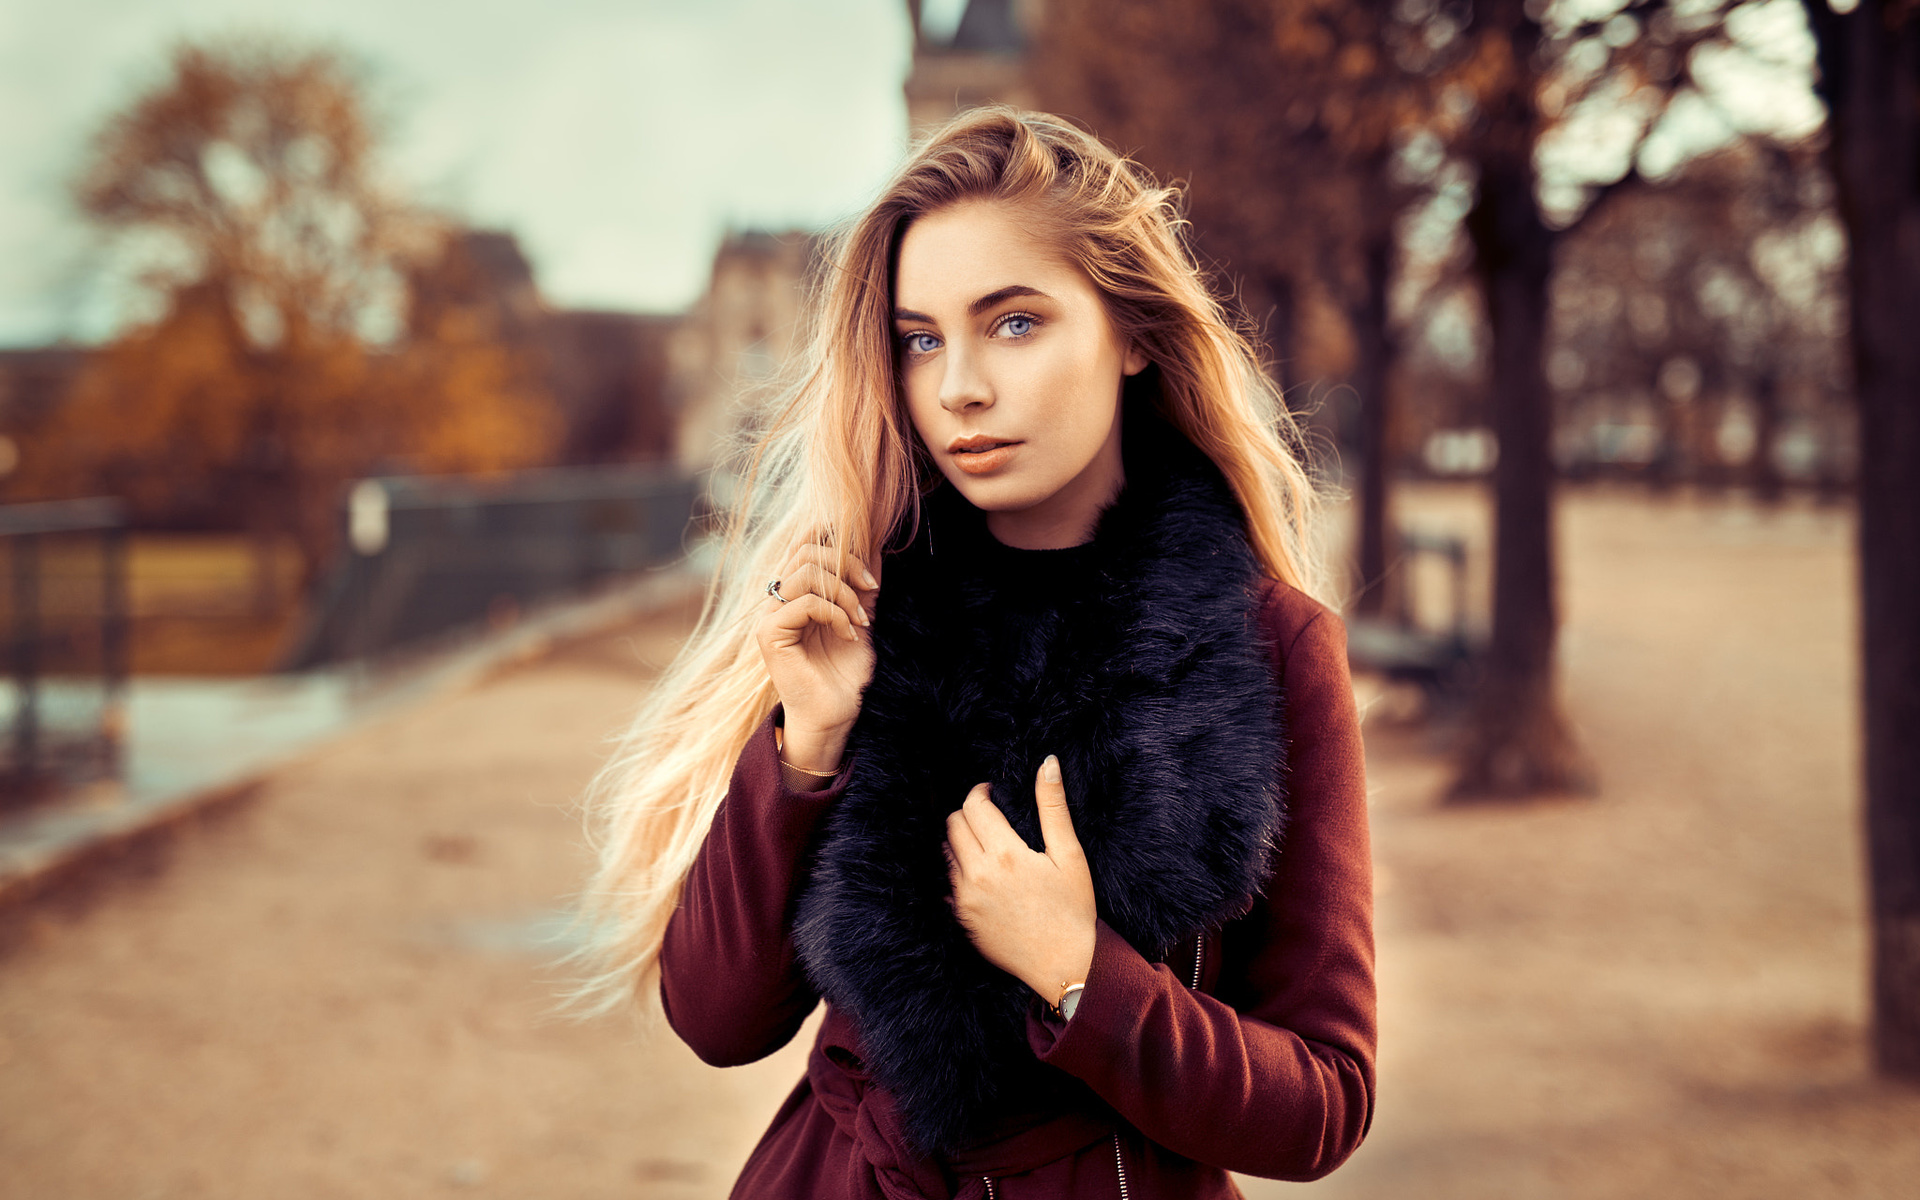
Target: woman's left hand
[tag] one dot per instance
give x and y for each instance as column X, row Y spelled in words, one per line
column 1029, row 913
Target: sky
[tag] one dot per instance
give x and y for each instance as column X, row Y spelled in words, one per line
column 618, row 139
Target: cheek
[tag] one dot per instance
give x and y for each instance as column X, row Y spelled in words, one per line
column 1082, row 389
column 919, row 391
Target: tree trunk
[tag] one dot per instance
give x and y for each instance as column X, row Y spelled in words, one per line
column 1870, row 78
column 1763, row 472
column 1518, row 743
column 1373, row 355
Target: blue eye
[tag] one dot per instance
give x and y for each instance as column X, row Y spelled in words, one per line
column 1018, row 325
column 920, row 343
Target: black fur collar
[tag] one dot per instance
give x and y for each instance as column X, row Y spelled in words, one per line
column 1138, row 659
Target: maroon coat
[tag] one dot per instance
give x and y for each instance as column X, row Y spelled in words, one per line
column 1266, row 1068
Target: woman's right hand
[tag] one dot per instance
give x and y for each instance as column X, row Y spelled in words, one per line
column 818, row 647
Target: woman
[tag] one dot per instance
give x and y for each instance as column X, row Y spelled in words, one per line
column 1051, row 782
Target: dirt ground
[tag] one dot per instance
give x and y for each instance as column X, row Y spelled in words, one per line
column 345, row 988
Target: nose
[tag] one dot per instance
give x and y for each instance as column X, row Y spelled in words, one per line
column 962, row 384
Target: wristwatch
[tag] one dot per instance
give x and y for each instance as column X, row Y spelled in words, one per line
column 1069, row 1000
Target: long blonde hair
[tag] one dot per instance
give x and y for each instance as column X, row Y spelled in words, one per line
column 840, row 462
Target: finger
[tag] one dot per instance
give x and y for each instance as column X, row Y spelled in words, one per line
column 800, row 553
column 961, row 839
column 986, row 820
column 1056, row 820
column 810, row 608
column 809, row 570
column 817, row 578
column 853, row 570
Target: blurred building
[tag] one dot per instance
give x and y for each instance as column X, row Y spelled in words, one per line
column 728, row 351
column 981, row 60
column 609, row 371
column 606, row 370
column 32, row 384
column 726, row 356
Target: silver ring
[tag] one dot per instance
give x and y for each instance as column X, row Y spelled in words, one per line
column 773, row 589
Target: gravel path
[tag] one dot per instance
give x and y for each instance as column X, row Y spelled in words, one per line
column 344, row 987
column 1660, row 991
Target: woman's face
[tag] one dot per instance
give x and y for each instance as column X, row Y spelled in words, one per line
column 1004, row 343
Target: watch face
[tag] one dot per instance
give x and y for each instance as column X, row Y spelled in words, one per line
column 1068, row 1003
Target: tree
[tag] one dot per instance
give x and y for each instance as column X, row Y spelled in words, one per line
column 1869, row 62
column 1707, row 309
column 1541, row 76
column 1284, row 119
column 1295, row 122
column 247, row 177
column 1519, row 742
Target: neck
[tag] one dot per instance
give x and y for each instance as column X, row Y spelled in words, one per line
column 1066, row 518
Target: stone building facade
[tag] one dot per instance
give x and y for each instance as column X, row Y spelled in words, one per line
column 982, row 61
column 725, row 357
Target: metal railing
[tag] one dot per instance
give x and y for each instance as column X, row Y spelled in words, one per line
column 63, row 609
column 432, row 556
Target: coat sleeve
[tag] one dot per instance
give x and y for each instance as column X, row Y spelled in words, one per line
column 1273, row 1077
column 730, row 981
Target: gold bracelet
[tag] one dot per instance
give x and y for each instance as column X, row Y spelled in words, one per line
column 804, row 771
column 779, row 743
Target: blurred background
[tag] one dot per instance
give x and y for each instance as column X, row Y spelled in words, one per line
column 363, row 372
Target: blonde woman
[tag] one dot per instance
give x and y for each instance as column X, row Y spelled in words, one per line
column 1011, row 729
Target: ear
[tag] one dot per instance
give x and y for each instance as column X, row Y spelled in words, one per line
column 1135, row 362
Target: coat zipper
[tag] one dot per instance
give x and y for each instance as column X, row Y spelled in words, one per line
column 1119, row 1164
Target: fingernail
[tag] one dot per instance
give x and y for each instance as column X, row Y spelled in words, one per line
column 1050, row 769
column 868, row 577
column 864, row 619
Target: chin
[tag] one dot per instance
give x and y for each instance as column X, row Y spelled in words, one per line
column 998, row 495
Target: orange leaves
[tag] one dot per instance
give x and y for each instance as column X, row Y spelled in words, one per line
column 472, row 401
column 158, row 404
column 176, row 414
column 1356, row 61
column 1297, row 36
column 256, row 392
column 1491, row 70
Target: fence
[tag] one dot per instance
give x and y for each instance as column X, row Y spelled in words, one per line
column 431, row 556
column 63, row 609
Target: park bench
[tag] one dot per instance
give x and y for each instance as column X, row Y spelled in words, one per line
column 1440, row 662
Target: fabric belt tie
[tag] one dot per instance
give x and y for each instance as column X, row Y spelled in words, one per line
column 867, row 1115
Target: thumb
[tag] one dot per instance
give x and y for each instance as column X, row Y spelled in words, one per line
column 1056, row 822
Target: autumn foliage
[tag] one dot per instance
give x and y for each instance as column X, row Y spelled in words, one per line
column 289, row 353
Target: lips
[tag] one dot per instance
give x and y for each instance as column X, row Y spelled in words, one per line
column 978, row 443
column 981, row 455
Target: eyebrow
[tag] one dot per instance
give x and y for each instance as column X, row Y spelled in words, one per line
column 978, row 306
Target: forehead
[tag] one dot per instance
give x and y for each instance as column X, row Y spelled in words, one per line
column 957, row 254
